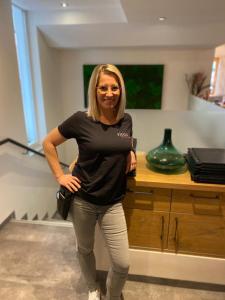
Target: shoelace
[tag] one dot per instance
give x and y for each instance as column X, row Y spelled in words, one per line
column 94, row 295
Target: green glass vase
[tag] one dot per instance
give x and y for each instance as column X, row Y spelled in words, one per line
column 166, row 158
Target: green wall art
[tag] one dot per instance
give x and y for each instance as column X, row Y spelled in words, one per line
column 143, row 85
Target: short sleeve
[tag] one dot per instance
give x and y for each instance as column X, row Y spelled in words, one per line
column 130, row 124
column 69, row 128
column 134, row 140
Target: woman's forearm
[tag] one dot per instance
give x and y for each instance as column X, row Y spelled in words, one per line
column 52, row 158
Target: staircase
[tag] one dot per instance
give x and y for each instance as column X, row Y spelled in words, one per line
column 28, row 189
column 37, row 257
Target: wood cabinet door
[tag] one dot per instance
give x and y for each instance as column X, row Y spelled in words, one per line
column 194, row 234
column 147, row 229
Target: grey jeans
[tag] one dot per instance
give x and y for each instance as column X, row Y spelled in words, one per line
column 112, row 223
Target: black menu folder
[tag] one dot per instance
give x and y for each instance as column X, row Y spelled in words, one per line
column 203, row 168
column 207, row 164
column 214, row 157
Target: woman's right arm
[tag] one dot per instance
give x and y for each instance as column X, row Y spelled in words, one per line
column 52, row 140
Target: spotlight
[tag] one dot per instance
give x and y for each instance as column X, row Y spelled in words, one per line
column 161, row 19
column 64, row 4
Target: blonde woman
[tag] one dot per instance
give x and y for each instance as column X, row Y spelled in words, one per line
column 104, row 138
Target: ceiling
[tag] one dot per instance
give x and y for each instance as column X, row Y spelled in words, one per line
column 115, row 23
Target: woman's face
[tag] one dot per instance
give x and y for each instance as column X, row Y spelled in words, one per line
column 108, row 92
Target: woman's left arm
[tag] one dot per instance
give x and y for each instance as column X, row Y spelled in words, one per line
column 131, row 162
column 131, row 157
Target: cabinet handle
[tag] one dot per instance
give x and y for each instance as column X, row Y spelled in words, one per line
column 162, row 228
column 204, row 197
column 141, row 193
column 176, row 234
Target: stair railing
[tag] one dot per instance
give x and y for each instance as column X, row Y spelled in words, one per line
column 9, row 140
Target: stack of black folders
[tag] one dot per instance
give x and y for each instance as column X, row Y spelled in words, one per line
column 206, row 165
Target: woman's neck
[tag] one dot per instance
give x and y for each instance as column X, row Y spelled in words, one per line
column 107, row 117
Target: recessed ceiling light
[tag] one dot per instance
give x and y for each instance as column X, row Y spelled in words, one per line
column 161, row 19
column 64, row 4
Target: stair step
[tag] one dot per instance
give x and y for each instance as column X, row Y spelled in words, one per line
column 56, row 216
column 35, row 217
column 46, row 216
column 45, row 222
column 10, row 217
column 25, row 217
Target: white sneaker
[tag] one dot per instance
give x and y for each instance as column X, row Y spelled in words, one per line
column 94, row 295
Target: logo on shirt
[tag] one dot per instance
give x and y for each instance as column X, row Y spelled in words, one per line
column 123, row 134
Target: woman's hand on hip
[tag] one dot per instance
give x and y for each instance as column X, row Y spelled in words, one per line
column 72, row 183
column 131, row 162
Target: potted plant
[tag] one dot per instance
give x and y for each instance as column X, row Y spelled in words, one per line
column 197, row 85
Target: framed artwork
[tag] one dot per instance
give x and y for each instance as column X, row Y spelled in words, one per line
column 143, row 85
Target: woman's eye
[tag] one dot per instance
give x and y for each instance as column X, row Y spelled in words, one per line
column 115, row 88
column 103, row 88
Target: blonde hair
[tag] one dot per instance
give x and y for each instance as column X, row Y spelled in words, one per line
column 93, row 109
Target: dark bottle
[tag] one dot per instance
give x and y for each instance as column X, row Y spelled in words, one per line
column 166, row 158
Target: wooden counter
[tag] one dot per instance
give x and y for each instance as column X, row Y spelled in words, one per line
column 146, row 177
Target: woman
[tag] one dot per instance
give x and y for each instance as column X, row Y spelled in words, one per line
column 104, row 137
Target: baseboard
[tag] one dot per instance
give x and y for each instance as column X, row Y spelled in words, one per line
column 10, row 217
column 170, row 282
column 193, row 268
column 169, row 265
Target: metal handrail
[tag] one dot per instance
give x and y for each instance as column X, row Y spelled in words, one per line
column 9, row 140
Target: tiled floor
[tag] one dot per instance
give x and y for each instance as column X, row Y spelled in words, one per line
column 38, row 262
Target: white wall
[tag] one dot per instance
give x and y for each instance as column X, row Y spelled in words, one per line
column 190, row 129
column 51, row 85
column 26, row 184
column 49, row 59
column 199, row 104
column 176, row 63
column 11, row 111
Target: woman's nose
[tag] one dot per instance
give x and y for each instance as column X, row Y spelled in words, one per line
column 109, row 92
